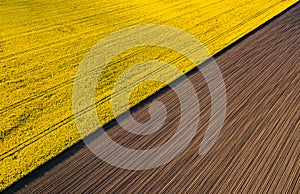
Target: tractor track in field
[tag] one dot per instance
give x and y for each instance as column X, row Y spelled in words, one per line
column 258, row 149
column 71, row 80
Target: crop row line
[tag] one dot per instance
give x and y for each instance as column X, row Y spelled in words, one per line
column 45, row 132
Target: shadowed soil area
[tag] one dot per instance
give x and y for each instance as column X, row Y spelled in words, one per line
column 257, row 151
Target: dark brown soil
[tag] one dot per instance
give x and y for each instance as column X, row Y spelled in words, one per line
column 258, row 150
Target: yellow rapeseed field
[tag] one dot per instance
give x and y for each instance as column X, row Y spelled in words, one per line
column 43, row 42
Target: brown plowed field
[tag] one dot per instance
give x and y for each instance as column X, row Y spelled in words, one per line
column 258, row 149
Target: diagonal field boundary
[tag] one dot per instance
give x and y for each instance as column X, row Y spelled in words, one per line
column 26, row 144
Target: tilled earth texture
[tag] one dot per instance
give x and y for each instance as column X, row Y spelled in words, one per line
column 42, row 44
